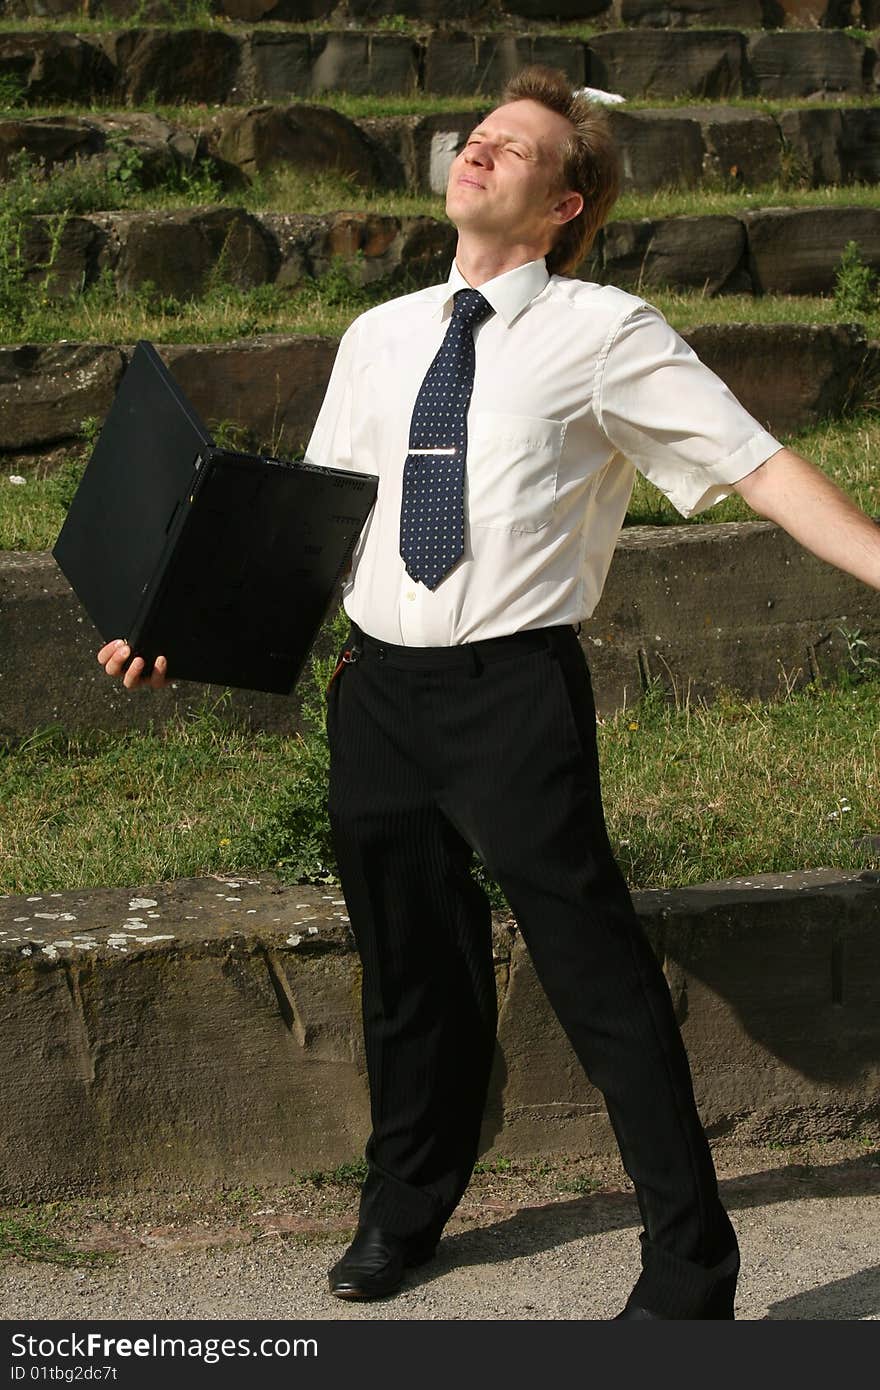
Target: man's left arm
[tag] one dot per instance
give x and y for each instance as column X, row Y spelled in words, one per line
column 794, row 493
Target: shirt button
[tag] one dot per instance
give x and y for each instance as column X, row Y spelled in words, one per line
column 411, row 596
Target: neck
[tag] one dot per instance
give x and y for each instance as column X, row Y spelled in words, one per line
column 480, row 261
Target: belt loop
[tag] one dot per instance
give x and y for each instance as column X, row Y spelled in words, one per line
column 476, row 666
column 577, row 631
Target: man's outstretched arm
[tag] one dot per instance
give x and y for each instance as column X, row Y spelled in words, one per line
column 800, row 498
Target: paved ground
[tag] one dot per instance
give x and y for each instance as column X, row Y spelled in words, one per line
column 523, row 1245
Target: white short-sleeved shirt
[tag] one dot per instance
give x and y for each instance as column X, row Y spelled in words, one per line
column 576, row 385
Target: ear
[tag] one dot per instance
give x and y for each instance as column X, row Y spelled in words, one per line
column 568, row 207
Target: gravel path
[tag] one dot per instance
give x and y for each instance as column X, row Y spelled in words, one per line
column 518, row 1248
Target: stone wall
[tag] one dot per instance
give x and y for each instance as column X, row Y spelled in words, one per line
column 207, row 1032
column 145, row 66
column 770, row 251
column 660, row 147
column 747, row 14
column 698, row 608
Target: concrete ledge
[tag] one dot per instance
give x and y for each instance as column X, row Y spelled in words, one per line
column 738, row 605
column 208, row 1031
column 270, row 387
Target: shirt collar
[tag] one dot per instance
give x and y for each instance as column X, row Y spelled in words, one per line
column 508, row 294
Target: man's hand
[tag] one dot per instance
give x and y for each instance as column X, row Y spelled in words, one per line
column 113, row 658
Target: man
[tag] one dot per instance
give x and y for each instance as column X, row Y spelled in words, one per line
column 504, row 412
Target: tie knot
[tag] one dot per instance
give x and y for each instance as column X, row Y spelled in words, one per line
column 470, row 306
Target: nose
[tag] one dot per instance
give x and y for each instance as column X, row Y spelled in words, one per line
column 480, row 154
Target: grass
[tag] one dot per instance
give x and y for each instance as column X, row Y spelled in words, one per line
column 317, row 307
column 32, row 513
column 366, row 105
column 26, row 1233
column 847, row 450
column 692, row 793
column 288, row 189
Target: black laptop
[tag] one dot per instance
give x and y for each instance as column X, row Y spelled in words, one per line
column 224, row 562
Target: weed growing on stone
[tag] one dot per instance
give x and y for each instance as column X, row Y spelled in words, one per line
column 856, row 289
column 350, row 1174
column 26, row 1233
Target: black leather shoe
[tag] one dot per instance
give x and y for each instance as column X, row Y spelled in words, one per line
column 374, row 1263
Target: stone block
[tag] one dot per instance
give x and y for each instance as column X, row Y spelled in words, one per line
column 117, row 1003
column 283, row 1018
column 384, row 249
column 436, row 140
column 469, row 62
column 734, row 606
column 558, row 52
column 360, row 62
column 180, row 65
column 310, row 137
column 808, row 14
column 860, row 144
column 36, row 600
column 72, row 265
column 270, row 386
column 162, row 147
column 683, row 14
column 450, row 63
column 48, row 140
column 660, row 63
column 46, row 391
column 812, row 145
column 833, row 146
column 789, row 376
column 179, row 252
column 658, row 149
column 442, row 11
column 557, row 9
column 798, row 250
column 292, row 235
column 50, row 68
column 499, row 57
column 276, row 66
column 805, row 64
column 742, row 147
column 705, row 253
column 253, row 11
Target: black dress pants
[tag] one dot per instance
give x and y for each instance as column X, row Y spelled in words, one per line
column 490, row 747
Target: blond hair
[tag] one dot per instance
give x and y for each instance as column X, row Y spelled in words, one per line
column 590, row 162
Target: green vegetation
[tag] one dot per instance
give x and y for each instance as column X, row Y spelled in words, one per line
column 847, row 450
column 32, row 511
column 344, row 1175
column 856, row 289
column 692, row 792
column 326, row 306
column 26, row 1233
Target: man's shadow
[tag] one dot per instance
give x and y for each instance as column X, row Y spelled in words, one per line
column 532, row 1230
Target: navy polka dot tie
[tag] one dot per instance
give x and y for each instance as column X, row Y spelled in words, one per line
column 432, row 511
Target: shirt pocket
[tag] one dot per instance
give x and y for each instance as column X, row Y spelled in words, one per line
column 512, row 470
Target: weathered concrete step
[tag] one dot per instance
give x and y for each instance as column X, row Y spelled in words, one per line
column 150, row 65
column 701, row 608
column 658, row 147
column 746, row 14
column 117, row 1004
column 768, row 251
column 788, row 375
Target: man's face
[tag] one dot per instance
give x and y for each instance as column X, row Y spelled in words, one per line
column 507, row 180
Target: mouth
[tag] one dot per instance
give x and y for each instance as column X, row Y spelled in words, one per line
column 469, row 182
